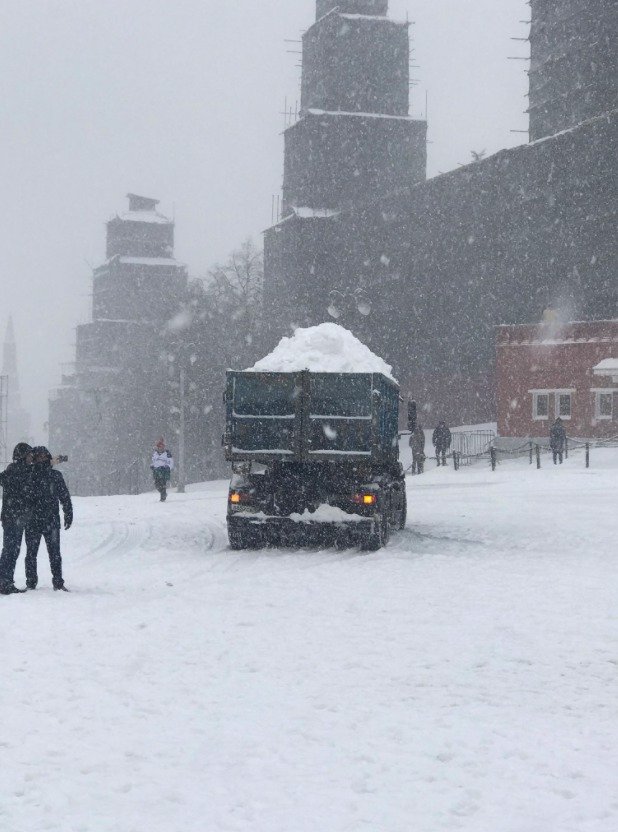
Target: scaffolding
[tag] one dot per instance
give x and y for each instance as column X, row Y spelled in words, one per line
column 4, row 402
column 572, row 63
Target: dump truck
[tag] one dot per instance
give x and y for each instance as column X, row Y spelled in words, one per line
column 315, row 459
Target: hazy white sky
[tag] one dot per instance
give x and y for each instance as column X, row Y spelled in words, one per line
column 181, row 101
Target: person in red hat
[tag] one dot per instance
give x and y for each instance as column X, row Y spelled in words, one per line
column 162, row 465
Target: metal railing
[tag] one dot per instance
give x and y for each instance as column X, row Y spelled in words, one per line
column 468, row 445
column 535, row 450
column 464, row 453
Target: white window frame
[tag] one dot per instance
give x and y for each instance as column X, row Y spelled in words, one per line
column 535, row 398
column 603, row 391
column 557, row 394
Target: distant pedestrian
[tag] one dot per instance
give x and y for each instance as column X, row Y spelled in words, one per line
column 417, row 444
column 16, row 482
column 49, row 493
column 557, row 440
column 162, row 465
column 442, row 442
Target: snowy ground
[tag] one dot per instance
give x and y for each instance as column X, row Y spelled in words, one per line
column 463, row 679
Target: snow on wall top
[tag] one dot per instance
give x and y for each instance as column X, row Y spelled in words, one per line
column 150, row 261
column 327, row 348
column 379, row 18
column 146, row 216
column 315, row 213
column 315, row 112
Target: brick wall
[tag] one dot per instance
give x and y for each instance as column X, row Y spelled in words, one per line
column 550, row 360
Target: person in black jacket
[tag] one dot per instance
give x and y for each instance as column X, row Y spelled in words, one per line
column 442, row 441
column 49, row 492
column 557, row 440
column 17, row 495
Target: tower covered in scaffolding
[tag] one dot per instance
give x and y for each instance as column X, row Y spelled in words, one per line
column 354, row 142
column 354, row 138
column 573, row 68
column 113, row 402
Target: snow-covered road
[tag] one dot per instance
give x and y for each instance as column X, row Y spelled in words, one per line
column 465, row 678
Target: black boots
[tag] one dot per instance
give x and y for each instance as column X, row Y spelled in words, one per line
column 10, row 589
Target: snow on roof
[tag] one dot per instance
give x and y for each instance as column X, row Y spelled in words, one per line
column 149, row 261
column 378, row 17
column 607, row 364
column 308, row 214
column 607, row 367
column 327, row 348
column 145, row 216
column 568, row 130
column 117, row 321
column 555, row 342
column 315, row 213
column 562, row 323
column 314, row 112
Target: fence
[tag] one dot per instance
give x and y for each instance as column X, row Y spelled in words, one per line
column 534, row 451
column 468, row 445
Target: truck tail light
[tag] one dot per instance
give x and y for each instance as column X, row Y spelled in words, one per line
column 238, row 497
column 365, row 499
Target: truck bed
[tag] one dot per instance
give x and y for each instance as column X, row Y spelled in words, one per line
column 311, row 417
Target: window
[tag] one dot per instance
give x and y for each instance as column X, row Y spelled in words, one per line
column 540, row 406
column 563, row 405
column 604, row 405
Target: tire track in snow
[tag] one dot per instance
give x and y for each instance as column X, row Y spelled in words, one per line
column 123, row 538
column 126, row 537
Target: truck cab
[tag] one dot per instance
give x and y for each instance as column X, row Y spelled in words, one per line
column 315, row 458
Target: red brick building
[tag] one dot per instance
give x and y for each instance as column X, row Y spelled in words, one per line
column 547, row 370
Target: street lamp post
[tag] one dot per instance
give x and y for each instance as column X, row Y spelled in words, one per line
column 182, row 479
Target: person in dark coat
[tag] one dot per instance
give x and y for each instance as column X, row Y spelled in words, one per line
column 442, row 442
column 557, row 440
column 417, row 443
column 49, row 492
column 17, row 495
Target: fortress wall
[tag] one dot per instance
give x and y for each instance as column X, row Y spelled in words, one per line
column 446, row 261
